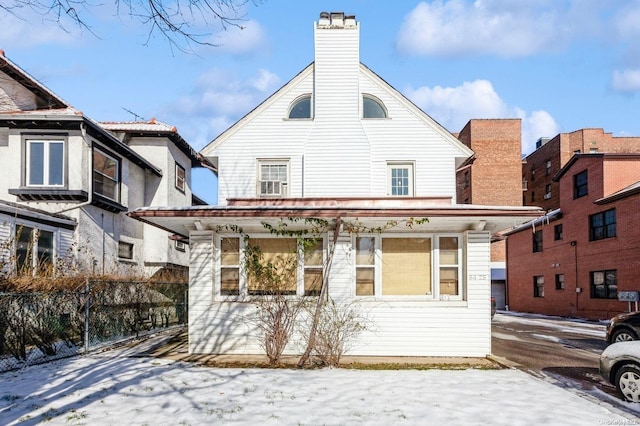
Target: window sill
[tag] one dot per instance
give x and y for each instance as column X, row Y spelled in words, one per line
column 49, row 194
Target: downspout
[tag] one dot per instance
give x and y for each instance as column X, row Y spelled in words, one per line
column 83, row 130
column 575, row 257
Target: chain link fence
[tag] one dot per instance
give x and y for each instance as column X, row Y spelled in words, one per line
column 41, row 326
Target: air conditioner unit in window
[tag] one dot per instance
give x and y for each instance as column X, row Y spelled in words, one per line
column 272, row 187
column 547, row 196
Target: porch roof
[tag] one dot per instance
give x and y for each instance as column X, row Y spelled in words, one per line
column 250, row 214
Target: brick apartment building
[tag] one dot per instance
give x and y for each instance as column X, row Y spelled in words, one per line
column 492, row 177
column 574, row 261
column 539, row 167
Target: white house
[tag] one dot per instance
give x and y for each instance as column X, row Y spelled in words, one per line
column 78, row 178
column 337, row 145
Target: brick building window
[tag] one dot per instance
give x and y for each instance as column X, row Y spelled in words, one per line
column 559, row 281
column 604, row 284
column 547, row 167
column 537, row 241
column 557, row 232
column 533, row 174
column 580, row 184
column 547, row 191
column 602, row 225
column 533, row 196
column 538, row 286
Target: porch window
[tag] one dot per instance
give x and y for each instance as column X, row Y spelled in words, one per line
column 406, row 266
column 313, row 252
column 230, row 266
column 106, row 175
column 365, row 266
column 449, row 252
column 285, row 266
column 400, row 179
column 273, row 178
column 421, row 266
column 45, row 162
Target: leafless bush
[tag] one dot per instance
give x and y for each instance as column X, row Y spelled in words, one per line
column 338, row 326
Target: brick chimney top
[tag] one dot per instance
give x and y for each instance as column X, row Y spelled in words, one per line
column 336, row 20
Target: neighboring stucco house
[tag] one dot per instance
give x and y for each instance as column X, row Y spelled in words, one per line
column 576, row 259
column 338, row 144
column 63, row 168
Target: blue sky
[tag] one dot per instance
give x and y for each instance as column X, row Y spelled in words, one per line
column 559, row 65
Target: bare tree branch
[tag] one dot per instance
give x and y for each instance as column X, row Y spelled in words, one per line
column 178, row 21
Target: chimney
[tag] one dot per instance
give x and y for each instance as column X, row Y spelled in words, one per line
column 336, row 66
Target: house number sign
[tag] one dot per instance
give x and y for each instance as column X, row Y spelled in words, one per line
column 480, row 277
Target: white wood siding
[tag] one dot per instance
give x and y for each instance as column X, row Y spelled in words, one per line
column 400, row 327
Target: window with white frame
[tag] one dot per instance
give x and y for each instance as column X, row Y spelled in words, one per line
column 273, row 178
column 400, row 179
column 373, row 107
column 34, row 250
column 450, row 267
column 229, row 266
column 301, row 108
column 180, row 177
column 45, row 163
column 420, row 266
column 106, row 175
column 297, row 266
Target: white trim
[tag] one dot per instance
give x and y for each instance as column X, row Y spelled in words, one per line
column 46, row 160
column 401, row 165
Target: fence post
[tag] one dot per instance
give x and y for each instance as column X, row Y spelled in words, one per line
column 87, row 290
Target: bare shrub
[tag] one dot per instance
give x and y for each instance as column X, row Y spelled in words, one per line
column 272, row 287
column 338, row 326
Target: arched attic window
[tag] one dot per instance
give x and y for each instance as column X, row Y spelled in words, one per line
column 301, row 107
column 373, row 107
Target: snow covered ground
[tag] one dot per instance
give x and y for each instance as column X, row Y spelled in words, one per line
column 113, row 389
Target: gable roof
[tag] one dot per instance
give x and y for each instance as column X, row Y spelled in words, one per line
column 53, row 112
column 48, row 99
column 309, row 69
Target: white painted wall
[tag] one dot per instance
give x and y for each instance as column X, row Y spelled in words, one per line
column 407, row 327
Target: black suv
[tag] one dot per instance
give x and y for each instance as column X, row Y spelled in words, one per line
column 624, row 327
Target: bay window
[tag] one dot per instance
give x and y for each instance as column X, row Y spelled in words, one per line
column 106, row 175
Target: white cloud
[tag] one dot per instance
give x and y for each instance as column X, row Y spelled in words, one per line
column 494, row 27
column 453, row 107
column 31, row 29
column 536, row 125
column 218, row 100
column 627, row 80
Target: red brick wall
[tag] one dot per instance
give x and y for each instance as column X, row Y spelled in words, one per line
column 494, row 176
column 577, row 261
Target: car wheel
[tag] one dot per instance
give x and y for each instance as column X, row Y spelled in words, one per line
column 623, row 336
column 628, row 382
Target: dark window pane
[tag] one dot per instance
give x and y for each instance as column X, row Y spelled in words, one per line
column 301, row 109
column 372, row 108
